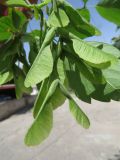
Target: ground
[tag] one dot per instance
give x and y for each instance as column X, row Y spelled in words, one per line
column 68, row 140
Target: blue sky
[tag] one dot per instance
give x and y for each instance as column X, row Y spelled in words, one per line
column 108, row 29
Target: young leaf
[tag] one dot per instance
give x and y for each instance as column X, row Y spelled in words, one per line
column 79, row 115
column 41, row 68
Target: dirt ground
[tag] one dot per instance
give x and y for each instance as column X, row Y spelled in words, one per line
column 68, row 140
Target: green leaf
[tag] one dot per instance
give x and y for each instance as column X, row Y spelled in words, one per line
column 41, row 97
column 21, row 3
column 99, row 94
column 5, row 77
column 110, row 49
column 43, row 114
column 58, row 19
column 41, row 68
column 19, row 78
column 71, row 32
column 110, row 10
column 79, row 115
column 47, row 90
column 6, row 28
column 33, row 51
column 44, row 3
column 108, row 89
column 6, row 64
column 93, row 55
column 36, row 13
column 85, row 1
column 112, row 76
column 57, row 99
column 84, row 13
column 18, row 19
column 89, row 87
column 41, row 127
column 77, row 82
column 60, row 69
column 79, row 22
column 48, row 38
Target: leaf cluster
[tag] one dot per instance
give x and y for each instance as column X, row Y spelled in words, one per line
column 60, row 63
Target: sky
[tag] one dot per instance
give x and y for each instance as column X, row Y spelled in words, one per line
column 107, row 28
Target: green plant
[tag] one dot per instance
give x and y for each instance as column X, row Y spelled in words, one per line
column 60, row 60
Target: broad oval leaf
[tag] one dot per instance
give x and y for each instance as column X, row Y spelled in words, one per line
column 93, row 55
column 110, row 49
column 41, row 68
column 41, row 127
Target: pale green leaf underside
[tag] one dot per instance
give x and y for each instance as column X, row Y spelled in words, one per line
column 41, row 127
column 41, row 68
column 79, row 115
column 110, row 49
column 92, row 54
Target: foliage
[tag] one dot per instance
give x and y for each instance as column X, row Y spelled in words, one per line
column 60, row 63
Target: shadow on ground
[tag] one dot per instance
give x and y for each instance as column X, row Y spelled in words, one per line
column 115, row 157
column 24, row 110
